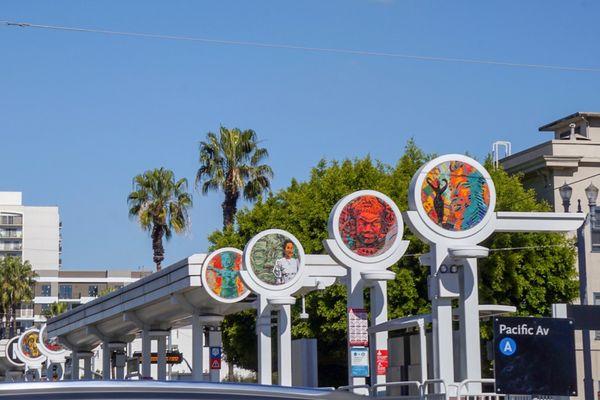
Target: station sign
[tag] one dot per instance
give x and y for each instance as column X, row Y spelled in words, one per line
column 534, row 356
column 359, row 358
column 358, row 326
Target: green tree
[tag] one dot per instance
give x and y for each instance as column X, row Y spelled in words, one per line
column 17, row 280
column 160, row 203
column 55, row 309
column 231, row 162
column 506, row 277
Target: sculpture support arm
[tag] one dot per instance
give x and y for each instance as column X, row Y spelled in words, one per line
column 538, row 221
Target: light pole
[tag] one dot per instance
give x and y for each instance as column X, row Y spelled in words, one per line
column 591, row 193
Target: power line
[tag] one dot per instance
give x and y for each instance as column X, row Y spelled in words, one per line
column 506, row 249
column 532, row 195
column 304, row 48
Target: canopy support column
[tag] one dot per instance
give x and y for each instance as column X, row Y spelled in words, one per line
column 284, row 345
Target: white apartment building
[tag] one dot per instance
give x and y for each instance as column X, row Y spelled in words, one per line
column 29, row 232
column 572, row 155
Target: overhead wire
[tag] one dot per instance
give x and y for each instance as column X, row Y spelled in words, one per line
column 284, row 46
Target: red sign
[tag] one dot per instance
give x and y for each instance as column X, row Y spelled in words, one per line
column 381, row 360
column 215, row 363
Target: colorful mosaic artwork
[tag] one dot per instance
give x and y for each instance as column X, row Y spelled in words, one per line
column 29, row 346
column 223, row 275
column 51, row 343
column 274, row 259
column 455, row 195
column 368, row 226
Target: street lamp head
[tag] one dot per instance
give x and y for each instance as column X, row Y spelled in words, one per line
column 565, row 193
column 592, row 194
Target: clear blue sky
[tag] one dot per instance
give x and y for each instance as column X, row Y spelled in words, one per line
column 81, row 114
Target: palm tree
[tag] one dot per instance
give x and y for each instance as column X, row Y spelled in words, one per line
column 232, row 162
column 161, row 205
column 17, row 280
column 55, row 309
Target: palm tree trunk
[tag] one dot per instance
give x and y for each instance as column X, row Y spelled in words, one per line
column 229, row 209
column 157, row 245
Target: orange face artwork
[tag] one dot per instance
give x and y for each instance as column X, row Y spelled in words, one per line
column 368, row 226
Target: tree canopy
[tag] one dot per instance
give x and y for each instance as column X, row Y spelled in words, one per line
column 160, row 202
column 533, row 278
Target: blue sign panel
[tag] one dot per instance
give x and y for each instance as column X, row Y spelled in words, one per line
column 360, row 361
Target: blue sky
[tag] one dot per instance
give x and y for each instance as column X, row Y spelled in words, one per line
column 82, row 113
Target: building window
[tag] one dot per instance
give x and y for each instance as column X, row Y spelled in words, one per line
column 597, row 303
column 46, row 290
column 45, row 309
column 65, row 292
column 596, row 230
column 93, row 291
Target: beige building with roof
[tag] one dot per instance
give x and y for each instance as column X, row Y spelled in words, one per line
column 572, row 155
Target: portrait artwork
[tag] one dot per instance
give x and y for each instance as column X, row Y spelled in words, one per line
column 455, row 195
column 368, row 226
column 29, row 345
column 274, row 259
column 223, row 275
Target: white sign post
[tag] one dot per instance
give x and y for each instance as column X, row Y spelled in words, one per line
column 452, row 200
column 274, row 270
column 365, row 237
column 27, row 350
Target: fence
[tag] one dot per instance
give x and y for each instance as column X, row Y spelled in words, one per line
column 436, row 389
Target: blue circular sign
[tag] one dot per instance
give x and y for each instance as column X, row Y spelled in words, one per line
column 508, row 346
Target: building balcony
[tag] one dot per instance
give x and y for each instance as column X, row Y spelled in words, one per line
column 11, row 235
column 9, row 220
column 11, row 247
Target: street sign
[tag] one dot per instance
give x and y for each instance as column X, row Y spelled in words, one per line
column 360, row 361
column 381, row 361
column 215, row 357
column 357, row 327
column 534, row 356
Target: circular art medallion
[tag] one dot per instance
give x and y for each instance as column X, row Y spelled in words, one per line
column 11, row 352
column 368, row 226
column 221, row 275
column 49, row 346
column 275, row 259
column 455, row 195
column 28, row 346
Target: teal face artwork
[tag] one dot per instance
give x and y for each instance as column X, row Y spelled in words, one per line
column 223, row 275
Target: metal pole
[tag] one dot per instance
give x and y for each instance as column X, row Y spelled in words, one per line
column 263, row 327
column 284, row 345
column 197, row 347
column 588, row 382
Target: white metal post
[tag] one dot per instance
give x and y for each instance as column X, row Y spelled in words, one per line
column 423, row 350
column 441, row 314
column 161, row 349
column 355, row 288
column 470, row 362
column 379, row 315
column 197, row 347
column 284, row 345
column 146, row 353
column 106, row 361
column 215, row 339
column 263, row 327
